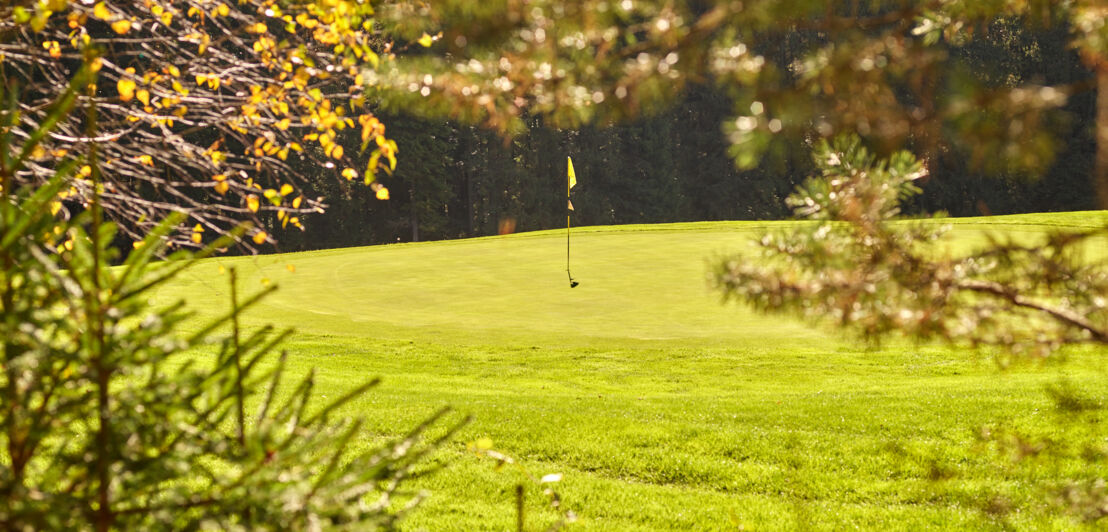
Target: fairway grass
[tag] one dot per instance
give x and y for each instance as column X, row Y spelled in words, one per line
column 662, row 408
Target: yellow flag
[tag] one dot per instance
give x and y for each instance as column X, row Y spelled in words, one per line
column 571, row 174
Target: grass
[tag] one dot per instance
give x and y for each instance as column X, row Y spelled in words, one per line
column 662, row 408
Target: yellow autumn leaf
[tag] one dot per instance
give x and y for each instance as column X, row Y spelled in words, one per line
column 144, row 96
column 259, row 237
column 426, row 40
column 252, row 203
column 121, row 26
column 101, row 12
column 145, row 160
column 286, row 189
column 337, row 152
column 222, row 10
column 222, row 187
column 382, row 193
column 126, row 88
column 180, row 88
column 296, row 202
column 371, row 165
column 349, row 173
column 290, row 268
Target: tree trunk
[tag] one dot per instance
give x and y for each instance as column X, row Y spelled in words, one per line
column 413, row 214
column 468, row 160
column 1100, row 174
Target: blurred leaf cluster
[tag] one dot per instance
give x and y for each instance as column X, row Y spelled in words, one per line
column 901, row 74
column 861, row 267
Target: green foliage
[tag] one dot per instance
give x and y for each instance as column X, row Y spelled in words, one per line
column 108, row 423
column 854, row 184
column 830, row 269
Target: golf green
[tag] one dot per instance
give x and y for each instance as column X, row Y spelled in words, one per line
column 661, row 407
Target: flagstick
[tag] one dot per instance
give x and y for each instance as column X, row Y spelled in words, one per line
column 571, row 180
column 567, row 236
column 567, row 248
